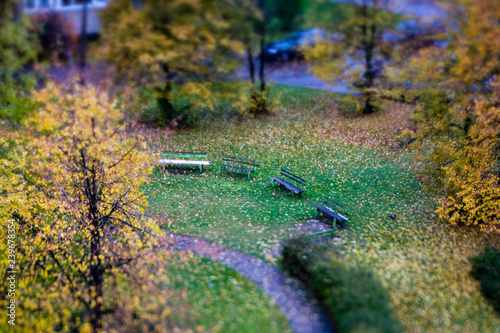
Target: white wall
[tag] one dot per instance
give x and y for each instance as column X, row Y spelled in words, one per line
column 70, row 10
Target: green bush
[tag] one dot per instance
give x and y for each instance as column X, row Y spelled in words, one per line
column 486, row 269
column 352, row 295
column 18, row 49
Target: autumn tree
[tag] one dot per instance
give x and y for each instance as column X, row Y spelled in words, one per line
column 17, row 49
column 359, row 58
column 254, row 23
column 457, row 115
column 71, row 179
column 162, row 44
column 249, row 17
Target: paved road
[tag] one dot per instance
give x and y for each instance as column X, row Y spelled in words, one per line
column 298, row 75
column 424, row 9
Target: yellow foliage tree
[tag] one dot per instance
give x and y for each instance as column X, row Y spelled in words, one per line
column 71, row 179
column 165, row 43
column 458, row 113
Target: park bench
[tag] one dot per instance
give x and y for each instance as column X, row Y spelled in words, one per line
column 293, row 188
column 330, row 213
column 184, row 158
column 240, row 166
column 327, row 233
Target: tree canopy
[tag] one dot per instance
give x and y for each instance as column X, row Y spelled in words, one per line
column 18, row 48
column 457, row 115
column 168, row 43
column 71, row 179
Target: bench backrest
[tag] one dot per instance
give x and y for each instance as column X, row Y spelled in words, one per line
column 339, row 207
column 231, row 159
column 323, row 233
column 184, row 154
column 293, row 177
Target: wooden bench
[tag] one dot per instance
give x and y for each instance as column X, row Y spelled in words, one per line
column 293, row 188
column 184, row 158
column 329, row 212
column 235, row 163
column 327, row 233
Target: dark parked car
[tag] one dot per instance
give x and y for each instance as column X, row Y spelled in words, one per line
column 289, row 48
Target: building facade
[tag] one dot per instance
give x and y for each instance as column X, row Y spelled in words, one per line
column 71, row 10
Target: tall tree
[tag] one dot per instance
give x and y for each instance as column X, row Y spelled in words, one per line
column 458, row 113
column 71, row 179
column 254, row 23
column 166, row 43
column 358, row 59
column 83, row 41
column 17, row 50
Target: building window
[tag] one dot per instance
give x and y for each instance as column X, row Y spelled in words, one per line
column 74, row 2
column 30, row 4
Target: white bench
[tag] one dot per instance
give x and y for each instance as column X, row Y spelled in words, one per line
column 170, row 161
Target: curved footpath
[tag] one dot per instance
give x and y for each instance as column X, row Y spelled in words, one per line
column 303, row 312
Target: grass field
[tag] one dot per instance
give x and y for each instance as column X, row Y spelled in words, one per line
column 176, row 291
column 423, row 262
column 223, row 299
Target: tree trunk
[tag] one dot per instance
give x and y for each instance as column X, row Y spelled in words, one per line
column 167, row 110
column 18, row 11
column 83, row 42
column 262, row 76
column 251, row 62
column 96, row 273
column 91, row 189
column 368, row 30
column 258, row 98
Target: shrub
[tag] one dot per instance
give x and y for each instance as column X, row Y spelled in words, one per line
column 486, row 269
column 296, row 258
column 352, row 295
column 356, row 104
column 17, row 50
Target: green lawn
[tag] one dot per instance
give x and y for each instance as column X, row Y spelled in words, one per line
column 423, row 262
column 225, row 207
column 223, row 299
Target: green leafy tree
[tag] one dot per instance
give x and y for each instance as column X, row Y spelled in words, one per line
column 255, row 23
column 17, row 49
column 359, row 57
